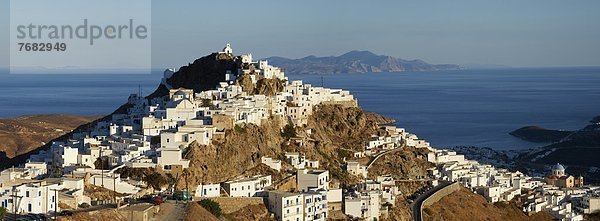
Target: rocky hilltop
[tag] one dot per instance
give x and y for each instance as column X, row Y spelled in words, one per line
column 332, row 133
column 355, row 62
column 539, row 134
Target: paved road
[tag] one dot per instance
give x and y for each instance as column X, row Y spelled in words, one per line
column 418, row 203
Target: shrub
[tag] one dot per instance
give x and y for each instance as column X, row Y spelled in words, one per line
column 155, row 180
column 2, row 213
column 212, row 206
column 207, row 103
column 289, row 131
column 239, row 129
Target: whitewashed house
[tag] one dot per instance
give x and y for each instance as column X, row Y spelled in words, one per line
column 247, row 186
column 168, row 158
column 272, row 163
column 363, row 205
column 312, row 180
column 354, row 168
column 315, row 205
column 208, row 190
column 286, row 206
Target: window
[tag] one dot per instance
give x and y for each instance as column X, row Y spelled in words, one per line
column 39, row 193
column 29, row 207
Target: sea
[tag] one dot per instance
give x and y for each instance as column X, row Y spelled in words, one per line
column 447, row 108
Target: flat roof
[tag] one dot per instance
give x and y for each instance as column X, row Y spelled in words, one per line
column 284, row 193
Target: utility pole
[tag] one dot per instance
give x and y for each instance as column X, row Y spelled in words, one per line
column 187, row 190
column 115, row 189
column 15, row 196
column 55, row 202
column 102, row 166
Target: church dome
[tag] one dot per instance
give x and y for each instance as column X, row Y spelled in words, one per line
column 181, row 93
column 558, row 167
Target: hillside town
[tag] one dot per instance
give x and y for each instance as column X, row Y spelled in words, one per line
column 155, row 133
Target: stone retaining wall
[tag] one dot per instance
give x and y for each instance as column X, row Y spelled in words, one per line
column 441, row 193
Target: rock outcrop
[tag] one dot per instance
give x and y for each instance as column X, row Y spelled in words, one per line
column 334, row 130
column 539, row 134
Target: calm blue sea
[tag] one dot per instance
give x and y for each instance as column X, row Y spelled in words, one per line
column 448, row 108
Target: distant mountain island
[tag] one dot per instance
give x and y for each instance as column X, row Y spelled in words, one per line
column 355, row 62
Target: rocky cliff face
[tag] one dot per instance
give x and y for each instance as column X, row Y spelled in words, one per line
column 263, row 86
column 334, row 131
column 408, row 163
column 239, row 152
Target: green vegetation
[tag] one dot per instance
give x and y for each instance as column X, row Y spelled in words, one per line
column 212, row 206
column 102, row 163
column 289, row 131
column 239, row 129
column 156, row 180
column 3, row 212
column 207, row 103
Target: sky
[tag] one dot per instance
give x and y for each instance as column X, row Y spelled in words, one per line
column 536, row 33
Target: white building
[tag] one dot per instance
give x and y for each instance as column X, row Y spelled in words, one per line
column 312, row 180
column 37, row 169
column 168, row 158
column 286, row 206
column 247, row 186
column 29, row 197
column 274, row 164
column 356, row 169
column 315, row 205
column 208, row 190
column 363, row 205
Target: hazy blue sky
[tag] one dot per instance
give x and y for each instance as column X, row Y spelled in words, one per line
column 513, row 32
